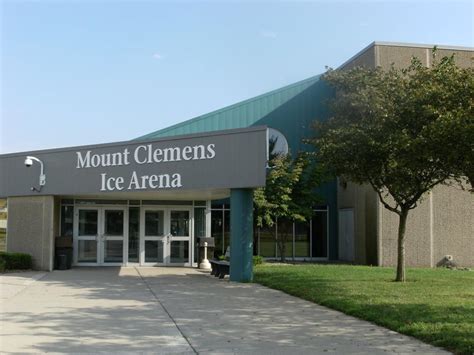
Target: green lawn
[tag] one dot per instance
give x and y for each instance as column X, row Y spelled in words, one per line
column 435, row 305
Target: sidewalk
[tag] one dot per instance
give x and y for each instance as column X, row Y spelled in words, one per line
column 15, row 282
column 178, row 310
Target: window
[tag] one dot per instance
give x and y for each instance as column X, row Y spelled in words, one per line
column 67, row 217
column 133, row 233
column 220, row 227
column 302, row 239
column 199, row 228
column 319, row 234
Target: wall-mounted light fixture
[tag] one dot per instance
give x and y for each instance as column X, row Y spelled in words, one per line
column 42, row 178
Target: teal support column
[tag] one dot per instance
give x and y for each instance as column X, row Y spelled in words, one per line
column 241, row 235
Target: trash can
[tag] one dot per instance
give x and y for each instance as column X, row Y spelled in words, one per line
column 62, row 262
column 63, row 253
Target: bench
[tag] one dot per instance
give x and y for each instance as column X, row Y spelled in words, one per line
column 220, row 268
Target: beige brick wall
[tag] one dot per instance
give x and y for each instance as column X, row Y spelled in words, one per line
column 417, row 245
column 31, row 228
column 453, row 226
column 363, row 59
column 442, row 224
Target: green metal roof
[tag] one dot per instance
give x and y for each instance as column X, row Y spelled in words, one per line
column 239, row 115
column 291, row 110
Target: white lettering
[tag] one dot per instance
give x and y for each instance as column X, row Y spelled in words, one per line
column 144, row 181
column 176, row 182
column 199, row 152
column 211, row 152
column 119, row 183
column 135, row 154
column 164, row 181
column 116, row 159
column 134, row 185
column 157, row 154
column 126, row 153
column 151, row 182
column 102, row 179
column 187, row 150
column 150, row 153
column 83, row 162
column 95, row 160
column 110, row 182
column 169, row 154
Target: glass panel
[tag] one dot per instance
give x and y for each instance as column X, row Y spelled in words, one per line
column 199, row 222
column 113, row 222
column 285, row 237
column 179, row 223
column 217, row 225
column 226, row 230
column 199, row 229
column 133, row 233
column 67, row 215
column 302, row 243
column 319, row 231
column 87, row 251
column 153, row 251
column 113, row 251
column 154, row 223
column 179, row 251
column 200, row 203
column 88, row 222
column 267, row 242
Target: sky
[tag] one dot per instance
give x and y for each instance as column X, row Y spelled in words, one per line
column 85, row 72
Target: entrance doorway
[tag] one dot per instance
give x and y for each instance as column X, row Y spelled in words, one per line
column 165, row 236
column 100, row 234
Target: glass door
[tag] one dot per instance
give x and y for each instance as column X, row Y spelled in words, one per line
column 86, row 226
column 112, row 236
column 153, row 231
column 179, row 238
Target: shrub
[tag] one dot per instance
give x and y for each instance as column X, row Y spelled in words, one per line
column 2, row 265
column 16, row 261
column 257, row 260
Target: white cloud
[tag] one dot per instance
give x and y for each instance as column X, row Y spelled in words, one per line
column 158, row 56
column 268, row 34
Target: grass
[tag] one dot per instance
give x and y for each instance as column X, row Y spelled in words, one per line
column 434, row 305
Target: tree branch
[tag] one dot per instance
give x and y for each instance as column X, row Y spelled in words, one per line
column 387, row 206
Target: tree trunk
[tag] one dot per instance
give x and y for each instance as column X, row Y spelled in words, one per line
column 281, row 249
column 282, row 238
column 401, row 245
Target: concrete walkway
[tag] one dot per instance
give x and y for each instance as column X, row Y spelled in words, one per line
column 176, row 310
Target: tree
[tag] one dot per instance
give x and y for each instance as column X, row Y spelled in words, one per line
column 288, row 195
column 403, row 131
